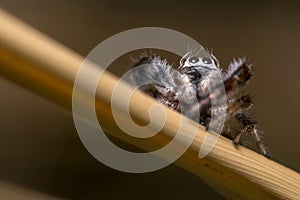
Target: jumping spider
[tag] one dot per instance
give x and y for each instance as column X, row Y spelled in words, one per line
column 196, row 68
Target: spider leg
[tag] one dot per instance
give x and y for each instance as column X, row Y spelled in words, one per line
column 145, row 58
column 162, row 95
column 161, row 85
column 250, row 126
column 234, row 106
column 241, row 104
column 237, row 76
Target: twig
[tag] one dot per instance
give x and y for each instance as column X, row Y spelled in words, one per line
column 11, row 191
column 48, row 68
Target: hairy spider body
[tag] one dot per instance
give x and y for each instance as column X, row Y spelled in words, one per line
column 197, row 68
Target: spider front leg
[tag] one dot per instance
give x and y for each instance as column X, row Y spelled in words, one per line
column 162, row 86
column 238, row 75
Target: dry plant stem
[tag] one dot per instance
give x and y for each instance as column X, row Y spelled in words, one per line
column 46, row 67
column 10, row 191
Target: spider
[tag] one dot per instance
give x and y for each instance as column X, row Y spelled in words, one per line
column 196, row 68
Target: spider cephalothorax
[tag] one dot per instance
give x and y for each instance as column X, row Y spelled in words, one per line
column 198, row 68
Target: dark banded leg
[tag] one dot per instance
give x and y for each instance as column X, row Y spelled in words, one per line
column 162, row 95
column 237, row 76
column 251, row 127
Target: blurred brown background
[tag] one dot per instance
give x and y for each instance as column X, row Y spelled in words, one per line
column 39, row 146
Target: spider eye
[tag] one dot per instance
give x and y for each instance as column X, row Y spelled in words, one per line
column 207, row 61
column 193, row 60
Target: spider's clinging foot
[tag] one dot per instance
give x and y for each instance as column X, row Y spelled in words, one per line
column 250, row 127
